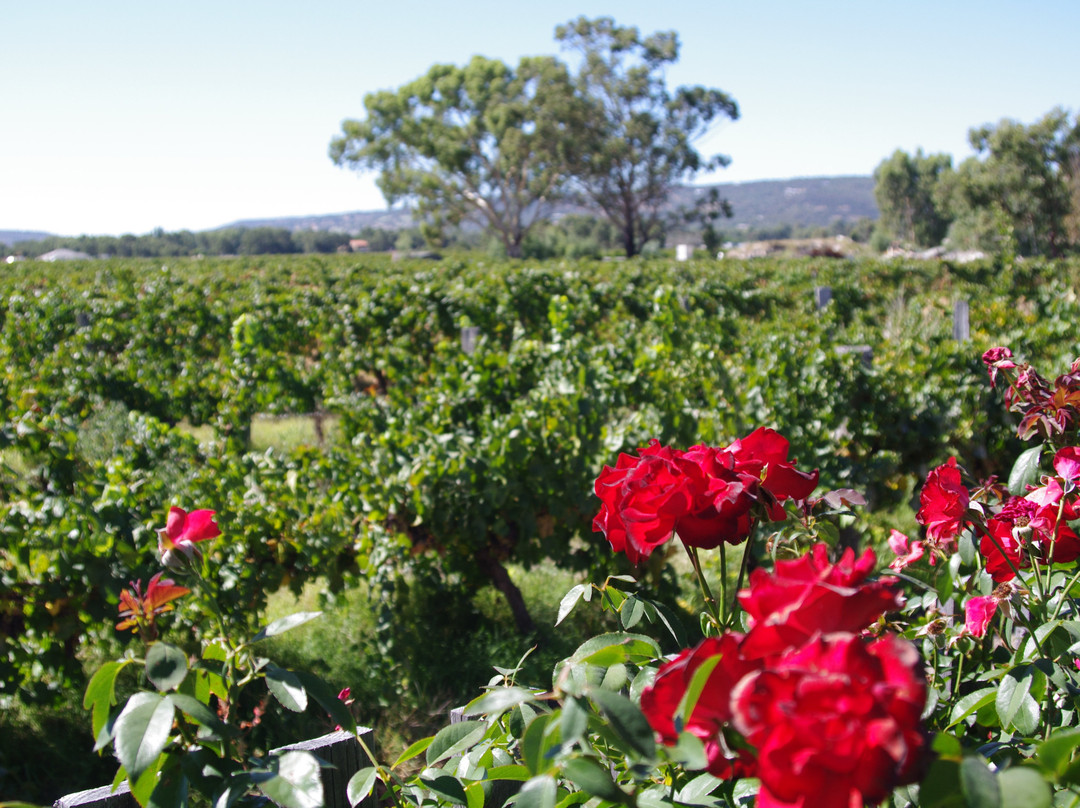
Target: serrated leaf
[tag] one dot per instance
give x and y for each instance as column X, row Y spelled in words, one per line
column 1025, row 471
column 100, row 694
column 294, row 781
column 361, row 785
column 1015, row 705
column 200, row 713
column 166, row 666
column 698, row 790
column 1056, row 753
column 286, row 623
column 539, row 792
column 1022, row 787
column 573, row 721
column 593, row 778
column 569, row 601
column 499, row 701
column 287, row 689
column 447, row 787
column 455, row 738
column 627, row 720
column 970, row 703
column 631, row 612
column 413, row 751
column 142, row 730
column 536, row 743
column 978, row 784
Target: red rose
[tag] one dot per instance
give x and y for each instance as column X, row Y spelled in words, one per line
column 177, row 541
column 836, row 723
column 721, row 508
column 764, row 454
column 642, row 498
column 662, row 700
column 944, row 503
column 809, row 595
column 1030, row 521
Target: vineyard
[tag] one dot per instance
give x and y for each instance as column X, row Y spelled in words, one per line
column 460, row 414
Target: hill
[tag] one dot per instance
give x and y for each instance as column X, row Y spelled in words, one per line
column 801, row 202
column 15, row 236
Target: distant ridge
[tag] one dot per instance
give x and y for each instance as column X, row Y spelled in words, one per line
column 800, row 202
column 15, row 236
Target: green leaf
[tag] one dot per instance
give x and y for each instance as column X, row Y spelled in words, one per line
column 361, row 785
column 539, row 792
column 498, row 701
column 171, row 790
column 978, row 784
column 200, row 713
column 631, row 612
column 1055, row 754
column 573, row 721
column 698, row 790
column 593, row 778
column 627, row 720
column 536, row 743
column 327, row 699
column 286, row 623
column 455, row 738
column 142, row 730
column 1015, row 705
column 294, row 781
column 100, row 694
column 1025, row 471
column 971, row 703
column 286, row 687
column 569, row 601
column 447, row 787
column 512, row 771
column 690, row 752
column 166, row 666
column 413, row 751
column 1022, row 787
column 609, row 649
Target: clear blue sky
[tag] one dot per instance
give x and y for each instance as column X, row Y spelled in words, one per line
column 119, row 117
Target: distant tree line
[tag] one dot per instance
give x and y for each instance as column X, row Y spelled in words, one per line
column 1019, row 194
column 498, row 145
column 229, row 241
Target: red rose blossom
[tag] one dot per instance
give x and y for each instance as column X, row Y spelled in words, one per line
column 944, row 503
column 720, row 511
column 177, row 542
column 643, row 497
column 764, row 454
column 809, row 596
column 835, row 722
column 662, row 700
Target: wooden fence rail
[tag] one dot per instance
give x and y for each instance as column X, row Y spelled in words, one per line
column 340, row 749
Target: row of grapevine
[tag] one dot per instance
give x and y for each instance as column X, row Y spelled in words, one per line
column 448, row 462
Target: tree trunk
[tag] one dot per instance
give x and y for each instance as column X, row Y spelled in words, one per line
column 500, row 578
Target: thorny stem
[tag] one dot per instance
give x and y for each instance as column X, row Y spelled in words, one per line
column 706, row 592
column 1012, row 566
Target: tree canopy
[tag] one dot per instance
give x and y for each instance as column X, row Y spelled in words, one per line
column 638, row 140
column 485, row 140
column 1019, row 193
column 906, row 191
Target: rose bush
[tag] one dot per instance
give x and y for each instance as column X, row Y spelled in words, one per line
column 949, row 678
